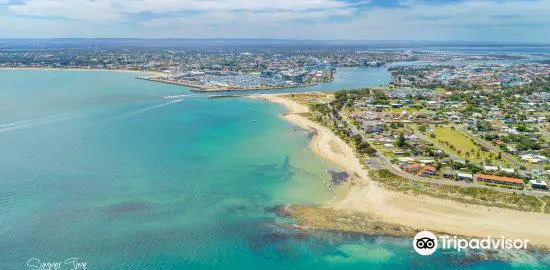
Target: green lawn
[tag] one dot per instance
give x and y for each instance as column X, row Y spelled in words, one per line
column 388, row 154
column 462, row 145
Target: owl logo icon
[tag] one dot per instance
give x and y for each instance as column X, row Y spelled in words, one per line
column 425, row 243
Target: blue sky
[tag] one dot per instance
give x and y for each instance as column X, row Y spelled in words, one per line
column 464, row 20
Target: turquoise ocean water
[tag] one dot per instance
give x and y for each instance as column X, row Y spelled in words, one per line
column 128, row 174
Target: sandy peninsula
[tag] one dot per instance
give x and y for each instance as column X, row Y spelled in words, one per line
column 418, row 212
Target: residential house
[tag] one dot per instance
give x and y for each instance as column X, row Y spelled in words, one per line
column 412, row 168
column 539, row 184
column 371, row 126
column 429, row 170
column 507, row 170
column 449, row 175
column 465, row 177
column 501, row 180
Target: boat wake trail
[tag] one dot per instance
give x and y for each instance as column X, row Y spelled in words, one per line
column 136, row 112
column 36, row 122
column 7, row 127
column 176, row 96
column 182, row 96
column 151, row 108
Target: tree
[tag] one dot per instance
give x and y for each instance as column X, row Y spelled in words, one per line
column 527, row 144
column 401, row 141
column 357, row 139
column 366, row 148
column 522, row 128
column 484, row 126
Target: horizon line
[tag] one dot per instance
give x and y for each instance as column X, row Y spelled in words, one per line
column 280, row 39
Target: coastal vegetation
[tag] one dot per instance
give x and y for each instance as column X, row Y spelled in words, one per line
column 466, row 195
column 324, row 109
column 328, row 115
column 546, row 202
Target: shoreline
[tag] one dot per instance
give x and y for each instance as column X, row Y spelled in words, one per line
column 82, row 69
column 323, row 141
column 199, row 88
column 414, row 211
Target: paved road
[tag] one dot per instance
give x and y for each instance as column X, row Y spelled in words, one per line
column 385, row 162
column 348, row 123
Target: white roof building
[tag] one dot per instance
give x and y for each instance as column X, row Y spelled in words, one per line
column 490, row 168
column 427, row 161
column 538, row 183
column 465, row 175
column 406, row 159
column 508, row 170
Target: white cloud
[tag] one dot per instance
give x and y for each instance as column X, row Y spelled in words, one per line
column 94, row 10
column 465, row 20
column 69, row 9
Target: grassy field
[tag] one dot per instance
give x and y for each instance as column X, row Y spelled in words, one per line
column 462, row 145
column 307, row 98
column 468, row 195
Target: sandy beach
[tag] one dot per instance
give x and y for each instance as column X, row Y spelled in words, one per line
column 325, row 143
column 420, row 212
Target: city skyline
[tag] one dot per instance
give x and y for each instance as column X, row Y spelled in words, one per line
column 438, row 20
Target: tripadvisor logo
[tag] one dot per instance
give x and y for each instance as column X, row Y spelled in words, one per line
column 426, row 243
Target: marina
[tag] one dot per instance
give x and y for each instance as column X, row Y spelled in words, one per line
column 201, row 88
column 345, row 78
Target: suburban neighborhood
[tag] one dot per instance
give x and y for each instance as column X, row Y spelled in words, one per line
column 479, row 137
